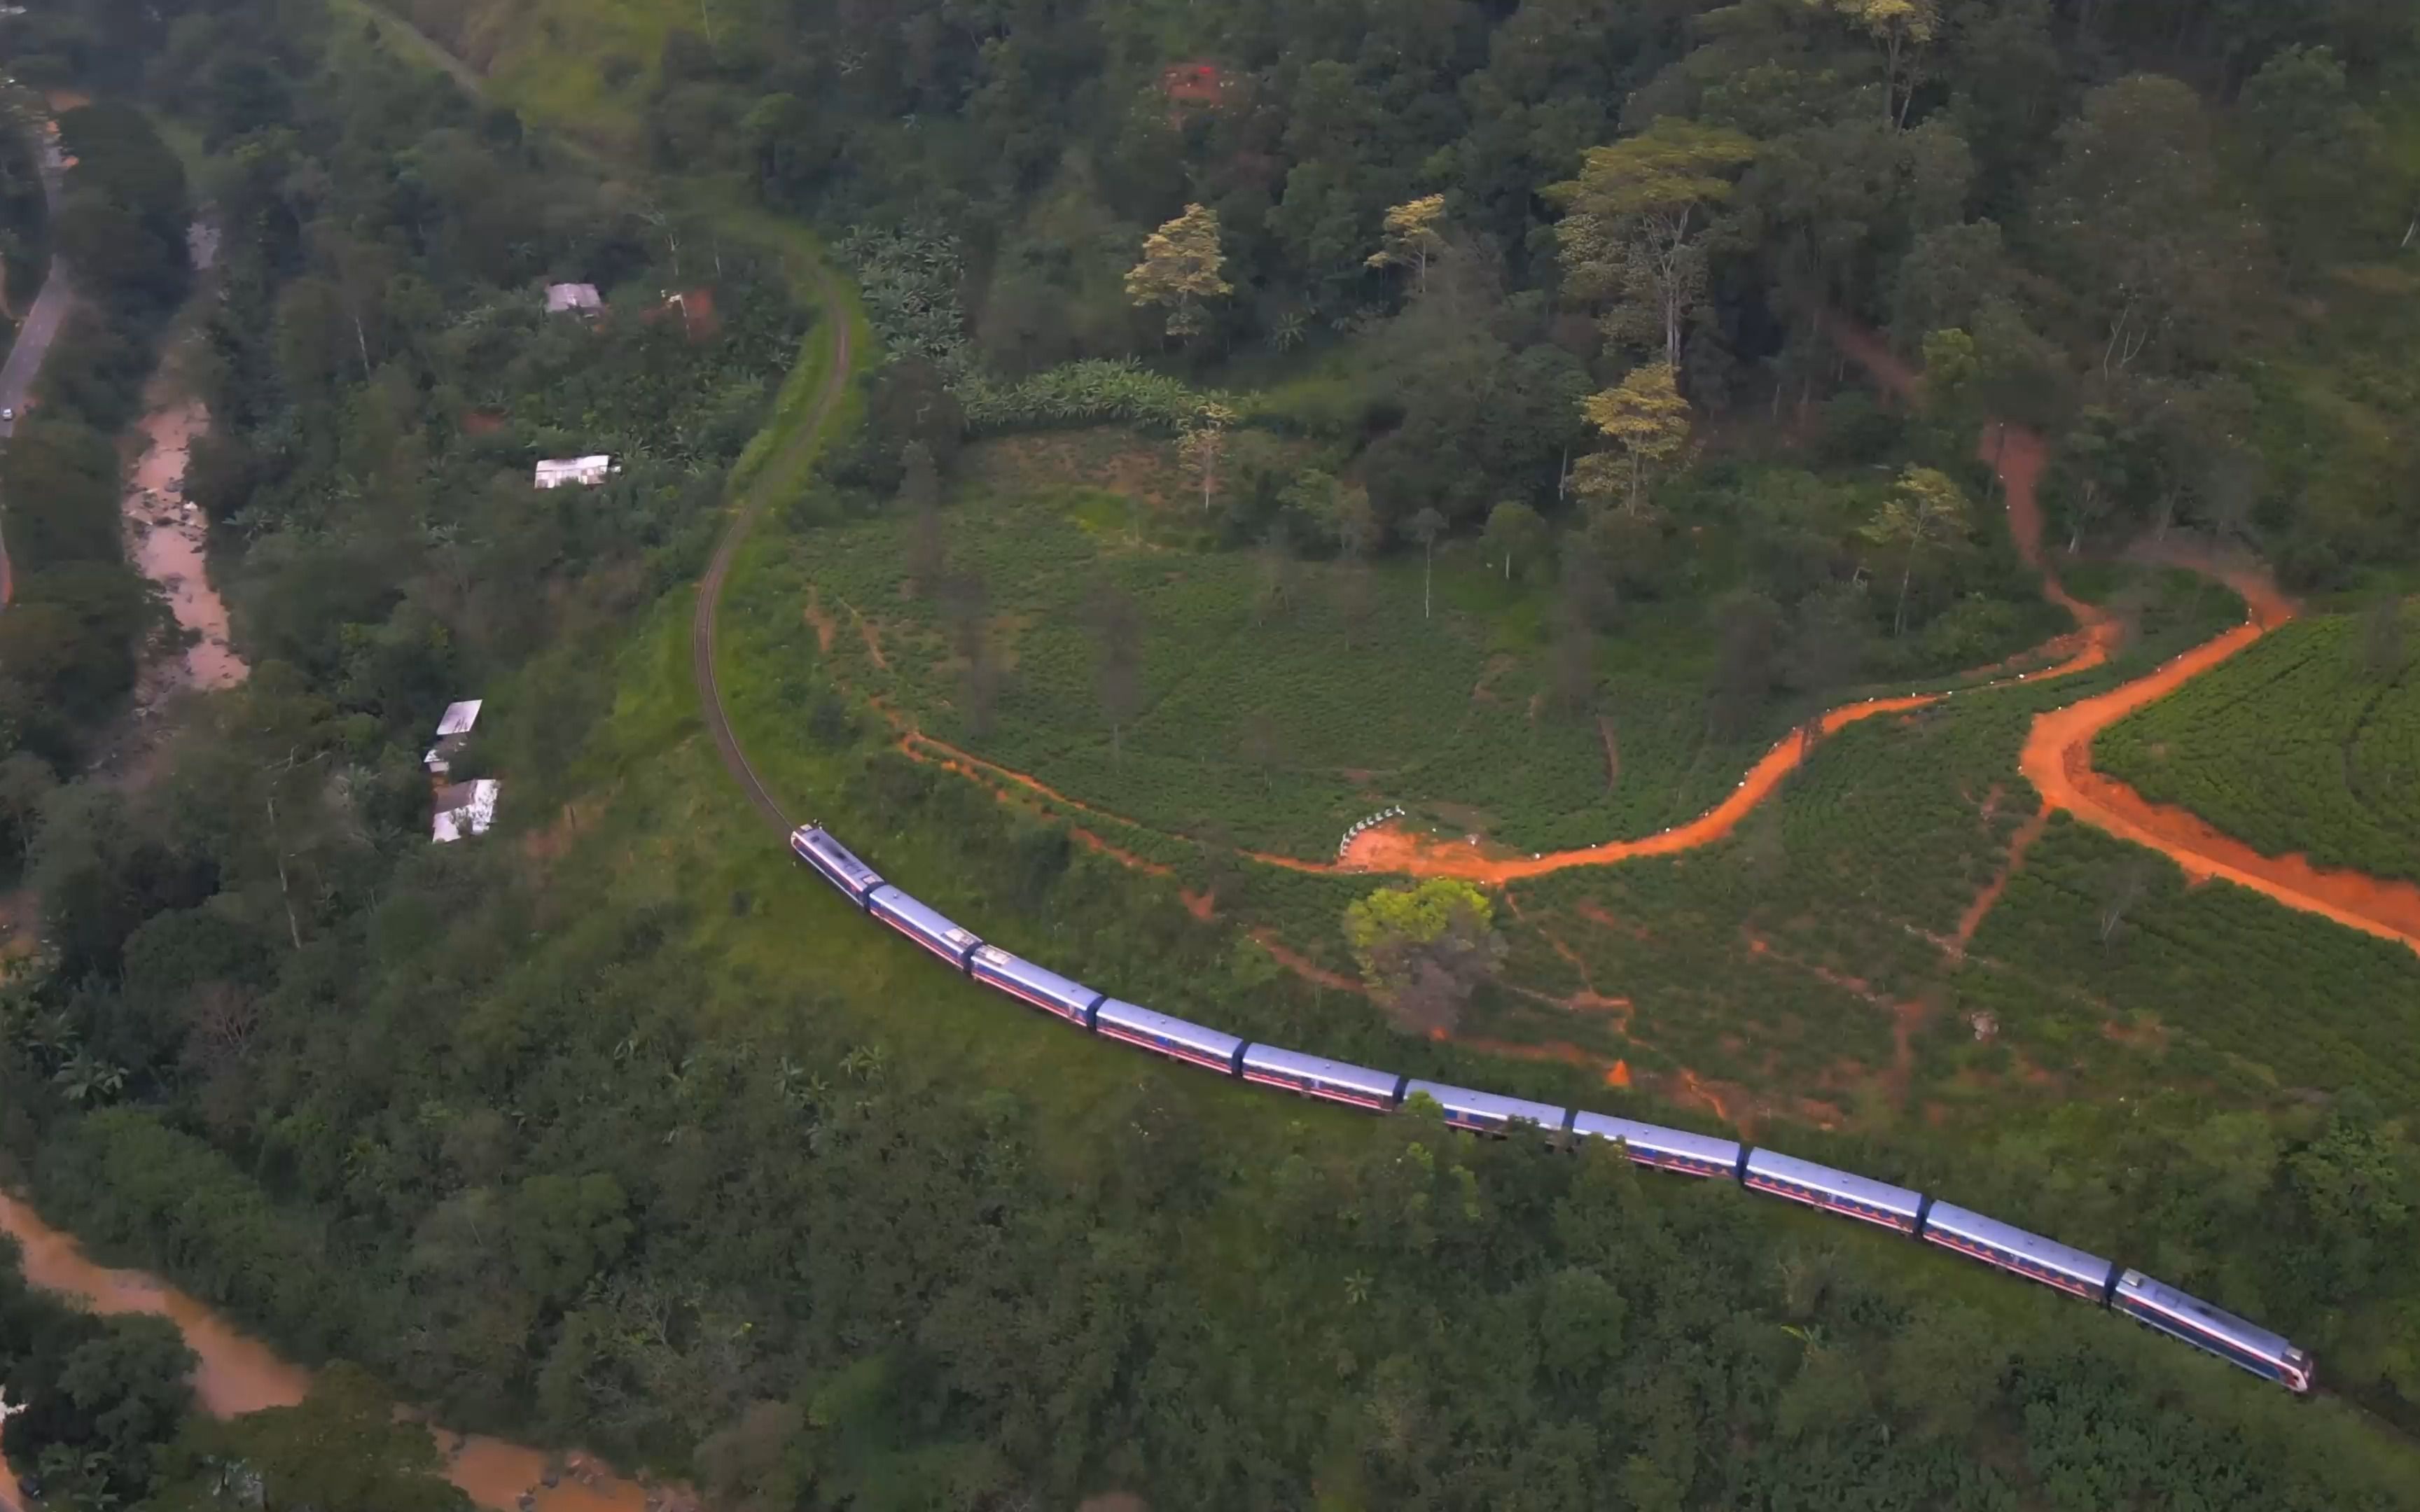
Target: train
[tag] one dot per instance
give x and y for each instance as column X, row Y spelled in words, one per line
column 2101, row 1282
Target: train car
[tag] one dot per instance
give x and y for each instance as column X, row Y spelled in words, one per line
column 1044, row 989
column 2205, row 1327
column 1667, row 1149
column 1486, row 1113
column 2014, row 1249
column 1821, row 1186
column 814, row 845
column 1161, row 1034
column 923, row 925
column 1336, row 1081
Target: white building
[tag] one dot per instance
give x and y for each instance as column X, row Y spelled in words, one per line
column 464, row 808
column 587, row 471
column 453, row 732
column 583, row 298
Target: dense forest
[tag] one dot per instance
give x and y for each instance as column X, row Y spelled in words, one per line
column 540, row 1134
column 2168, row 233
column 68, row 646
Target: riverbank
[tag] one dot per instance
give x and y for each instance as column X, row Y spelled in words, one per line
column 237, row 1374
column 166, row 539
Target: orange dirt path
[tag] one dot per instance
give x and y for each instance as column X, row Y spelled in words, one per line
column 2018, row 843
column 2057, row 757
column 2058, row 760
column 1389, row 848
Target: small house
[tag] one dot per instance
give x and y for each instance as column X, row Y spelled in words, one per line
column 587, row 471
column 582, row 299
column 453, row 732
column 463, row 809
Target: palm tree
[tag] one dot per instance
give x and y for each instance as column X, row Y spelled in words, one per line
column 865, row 1063
column 799, row 1087
column 86, row 1078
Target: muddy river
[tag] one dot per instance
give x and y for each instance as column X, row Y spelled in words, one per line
column 164, row 537
column 237, row 1374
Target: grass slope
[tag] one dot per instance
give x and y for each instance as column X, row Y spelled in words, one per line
column 2306, row 742
column 584, row 67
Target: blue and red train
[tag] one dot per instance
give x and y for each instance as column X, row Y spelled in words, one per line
column 2102, row 1282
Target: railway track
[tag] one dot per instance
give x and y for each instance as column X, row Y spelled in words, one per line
column 726, row 551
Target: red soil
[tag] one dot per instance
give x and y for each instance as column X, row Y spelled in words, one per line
column 1686, row 1086
column 821, row 619
column 1389, row 847
column 981, row 773
column 1588, row 999
column 1193, row 83
column 866, row 631
column 1982, row 907
column 696, row 306
column 2056, row 760
column 2057, row 757
column 1303, row 967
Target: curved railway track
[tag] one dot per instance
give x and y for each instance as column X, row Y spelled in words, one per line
column 726, row 551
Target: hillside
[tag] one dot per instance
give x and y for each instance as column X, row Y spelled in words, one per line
column 1094, row 608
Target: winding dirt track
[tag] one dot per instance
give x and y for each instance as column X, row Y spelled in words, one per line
column 2057, row 754
column 2056, row 758
column 726, row 551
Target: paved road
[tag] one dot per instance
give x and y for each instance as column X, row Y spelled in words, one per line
column 34, row 338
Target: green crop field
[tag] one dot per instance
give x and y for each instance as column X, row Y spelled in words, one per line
column 2308, row 741
column 1276, row 704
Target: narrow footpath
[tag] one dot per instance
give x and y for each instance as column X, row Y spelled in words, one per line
column 2057, row 754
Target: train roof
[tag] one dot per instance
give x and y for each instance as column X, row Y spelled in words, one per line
column 1965, row 1223
column 1118, row 1013
column 1377, row 1084
column 1074, row 995
column 1654, row 1140
column 925, row 920
column 1489, row 1107
column 812, row 837
column 1898, row 1200
column 2193, row 1312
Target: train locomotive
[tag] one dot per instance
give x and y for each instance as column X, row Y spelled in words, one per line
column 2102, row 1282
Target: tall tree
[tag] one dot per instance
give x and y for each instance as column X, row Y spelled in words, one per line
column 1902, row 29
column 2136, row 210
column 1203, row 442
column 1632, row 218
column 1412, row 238
column 1516, row 533
column 1423, row 950
column 1180, row 270
column 1647, row 422
column 1925, row 511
